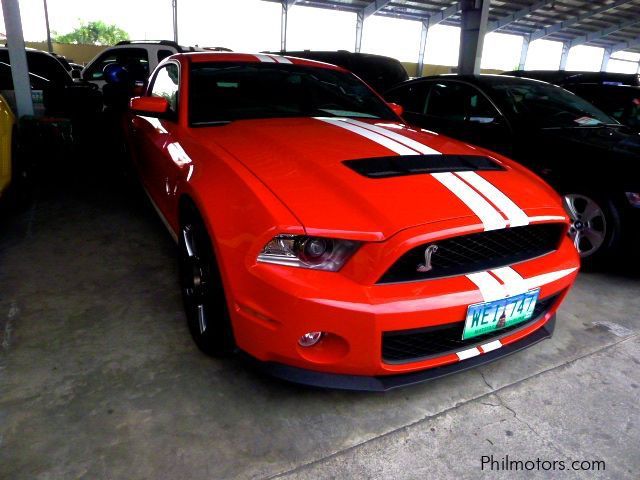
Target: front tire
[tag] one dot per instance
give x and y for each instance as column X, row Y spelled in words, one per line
column 595, row 226
column 203, row 291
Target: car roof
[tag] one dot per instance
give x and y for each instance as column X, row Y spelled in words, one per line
column 484, row 79
column 208, row 57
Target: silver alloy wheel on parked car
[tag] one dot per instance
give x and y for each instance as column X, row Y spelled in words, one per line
column 588, row 223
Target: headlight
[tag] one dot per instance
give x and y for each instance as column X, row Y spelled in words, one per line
column 634, row 199
column 308, row 252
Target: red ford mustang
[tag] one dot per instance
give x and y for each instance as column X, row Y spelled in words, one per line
column 332, row 244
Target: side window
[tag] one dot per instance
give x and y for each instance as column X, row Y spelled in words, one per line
column 135, row 60
column 165, row 85
column 164, row 53
column 412, row 97
column 459, row 102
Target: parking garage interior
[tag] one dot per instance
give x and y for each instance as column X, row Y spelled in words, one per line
column 99, row 377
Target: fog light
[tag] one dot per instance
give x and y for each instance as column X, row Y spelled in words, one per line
column 310, row 339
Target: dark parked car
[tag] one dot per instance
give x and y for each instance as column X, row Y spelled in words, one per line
column 616, row 94
column 586, row 155
column 564, row 77
column 378, row 71
column 61, row 95
column 622, row 102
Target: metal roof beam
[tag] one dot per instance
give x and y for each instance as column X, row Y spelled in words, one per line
column 442, row 15
column 544, row 32
column 591, row 36
column 374, row 7
column 624, row 45
column 515, row 16
column 291, row 3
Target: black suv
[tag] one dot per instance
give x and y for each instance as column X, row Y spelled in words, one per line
column 378, row 71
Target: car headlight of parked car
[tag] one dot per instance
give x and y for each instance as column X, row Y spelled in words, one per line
column 634, row 199
column 318, row 253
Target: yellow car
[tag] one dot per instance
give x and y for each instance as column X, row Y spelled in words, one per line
column 7, row 124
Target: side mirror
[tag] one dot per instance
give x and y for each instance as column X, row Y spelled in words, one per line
column 149, row 106
column 397, row 109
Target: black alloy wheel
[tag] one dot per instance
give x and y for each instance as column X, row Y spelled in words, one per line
column 595, row 225
column 203, row 291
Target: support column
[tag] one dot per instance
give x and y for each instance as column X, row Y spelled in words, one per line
column 174, row 4
column 359, row 28
column 17, row 57
column 423, row 46
column 523, row 53
column 474, row 17
column 283, row 25
column 564, row 56
column 606, row 55
column 46, row 21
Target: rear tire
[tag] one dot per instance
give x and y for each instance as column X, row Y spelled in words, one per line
column 202, row 289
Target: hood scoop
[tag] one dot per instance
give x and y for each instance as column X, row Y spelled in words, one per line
column 403, row 165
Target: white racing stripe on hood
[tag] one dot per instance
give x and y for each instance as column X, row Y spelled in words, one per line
column 488, row 215
column 375, row 137
column 513, row 212
column 409, row 142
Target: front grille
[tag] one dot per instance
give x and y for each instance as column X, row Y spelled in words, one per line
column 476, row 252
column 413, row 345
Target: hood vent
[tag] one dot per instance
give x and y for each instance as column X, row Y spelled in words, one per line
column 402, row 165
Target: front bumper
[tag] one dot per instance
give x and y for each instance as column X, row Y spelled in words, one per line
column 383, row 383
column 275, row 305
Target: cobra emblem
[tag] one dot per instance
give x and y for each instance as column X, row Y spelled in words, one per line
column 428, row 253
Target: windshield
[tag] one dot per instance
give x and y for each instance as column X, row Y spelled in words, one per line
column 222, row 92
column 548, row 106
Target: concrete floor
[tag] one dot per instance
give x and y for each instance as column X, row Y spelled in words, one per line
column 100, row 379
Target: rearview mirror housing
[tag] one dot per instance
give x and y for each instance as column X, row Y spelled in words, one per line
column 149, row 106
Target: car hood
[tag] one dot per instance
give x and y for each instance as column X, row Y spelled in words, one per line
column 611, row 141
column 301, row 161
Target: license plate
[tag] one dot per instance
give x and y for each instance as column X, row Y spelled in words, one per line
column 491, row 316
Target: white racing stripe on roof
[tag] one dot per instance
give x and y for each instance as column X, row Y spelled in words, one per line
column 513, row 212
column 409, row 142
column 281, row 59
column 264, row 58
column 373, row 136
column 489, row 287
column 514, row 284
column 488, row 215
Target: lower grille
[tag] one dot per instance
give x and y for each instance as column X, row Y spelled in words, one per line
column 476, row 252
column 413, row 345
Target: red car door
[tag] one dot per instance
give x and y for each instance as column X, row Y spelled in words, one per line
column 159, row 155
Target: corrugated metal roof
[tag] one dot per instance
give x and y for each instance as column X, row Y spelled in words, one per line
column 601, row 23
